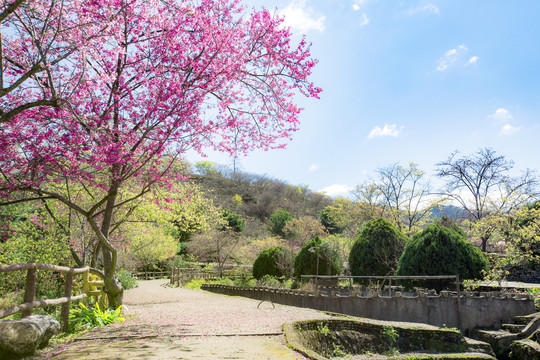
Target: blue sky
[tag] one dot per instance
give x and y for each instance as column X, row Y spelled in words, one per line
column 408, row 81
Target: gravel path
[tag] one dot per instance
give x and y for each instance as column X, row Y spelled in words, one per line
column 176, row 323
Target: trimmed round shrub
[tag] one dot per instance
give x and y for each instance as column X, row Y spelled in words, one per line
column 439, row 250
column 377, row 249
column 330, row 263
column 268, row 263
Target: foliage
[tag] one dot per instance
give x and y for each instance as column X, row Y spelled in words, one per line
column 268, row 263
column 107, row 98
column 269, row 281
column 195, row 284
column 127, row 280
column 377, row 249
column 400, row 194
column 248, row 253
column 33, row 237
column 390, row 337
column 520, row 233
column 318, row 251
column 11, row 299
column 150, row 246
column 481, row 184
column 439, row 250
column 193, row 212
column 83, row 317
column 451, row 224
column 234, row 221
column 278, row 220
column 217, row 246
column 333, row 221
column 301, row 230
column 323, row 329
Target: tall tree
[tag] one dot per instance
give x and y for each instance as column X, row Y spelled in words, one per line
column 482, row 184
column 401, row 193
column 158, row 79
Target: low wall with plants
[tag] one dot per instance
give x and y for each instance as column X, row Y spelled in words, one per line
column 342, row 338
column 472, row 310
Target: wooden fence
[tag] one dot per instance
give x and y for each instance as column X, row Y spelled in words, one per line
column 150, row 275
column 30, row 289
column 179, row 276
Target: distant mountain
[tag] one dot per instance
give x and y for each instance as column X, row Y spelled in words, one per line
column 451, row 211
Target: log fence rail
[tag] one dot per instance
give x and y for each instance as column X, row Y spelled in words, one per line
column 30, row 289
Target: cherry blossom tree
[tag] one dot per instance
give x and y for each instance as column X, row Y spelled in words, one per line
column 105, row 94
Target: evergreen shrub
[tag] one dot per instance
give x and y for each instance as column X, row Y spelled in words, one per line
column 377, row 249
column 330, row 263
column 268, row 263
column 439, row 250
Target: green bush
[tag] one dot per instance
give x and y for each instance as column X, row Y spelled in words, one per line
column 332, row 220
column 234, row 221
column 377, row 249
column 330, row 263
column 278, row 220
column 269, row 262
column 83, row 317
column 127, row 280
column 439, row 250
column 269, row 281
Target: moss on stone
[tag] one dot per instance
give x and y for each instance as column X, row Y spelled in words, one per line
column 361, row 336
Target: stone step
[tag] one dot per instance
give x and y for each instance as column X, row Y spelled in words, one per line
column 525, row 319
column 525, row 350
column 479, row 346
column 513, row 328
column 487, row 335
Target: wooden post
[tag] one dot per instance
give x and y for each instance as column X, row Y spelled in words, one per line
column 65, row 306
column 85, row 280
column 458, row 304
column 30, row 290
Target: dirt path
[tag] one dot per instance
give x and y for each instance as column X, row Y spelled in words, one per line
column 178, row 323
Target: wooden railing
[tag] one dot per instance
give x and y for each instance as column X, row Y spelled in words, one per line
column 180, row 275
column 30, row 290
column 150, row 275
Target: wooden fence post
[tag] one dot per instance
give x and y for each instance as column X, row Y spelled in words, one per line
column 86, row 279
column 458, row 303
column 65, row 306
column 30, row 290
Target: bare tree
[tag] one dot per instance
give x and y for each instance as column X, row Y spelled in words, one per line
column 482, row 185
column 401, row 193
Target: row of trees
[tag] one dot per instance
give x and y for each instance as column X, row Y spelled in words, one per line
column 382, row 250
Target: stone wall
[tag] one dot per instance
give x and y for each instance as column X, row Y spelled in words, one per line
column 485, row 310
column 526, row 274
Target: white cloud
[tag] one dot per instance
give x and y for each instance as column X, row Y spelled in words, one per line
column 450, row 57
column 473, row 60
column 365, row 20
column 337, row 189
column 509, row 129
column 429, row 8
column 301, row 17
column 501, row 115
column 313, row 168
column 387, row 130
column 358, row 3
